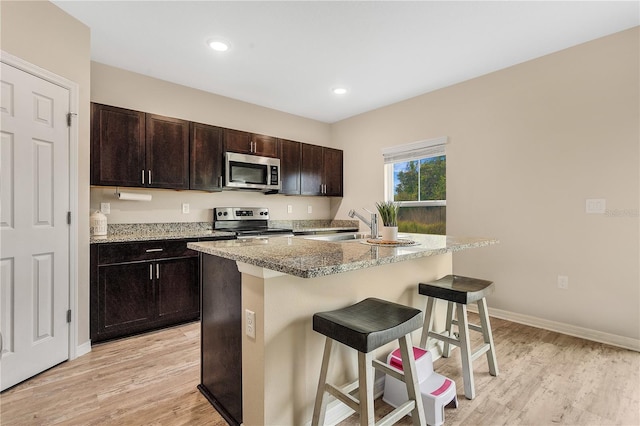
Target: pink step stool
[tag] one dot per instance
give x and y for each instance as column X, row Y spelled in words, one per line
column 437, row 391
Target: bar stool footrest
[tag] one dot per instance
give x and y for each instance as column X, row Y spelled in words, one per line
column 397, row 414
column 480, row 351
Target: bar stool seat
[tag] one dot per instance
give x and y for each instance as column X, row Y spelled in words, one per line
column 366, row 326
column 459, row 291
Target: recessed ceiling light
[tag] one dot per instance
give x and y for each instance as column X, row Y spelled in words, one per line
column 339, row 90
column 219, row 45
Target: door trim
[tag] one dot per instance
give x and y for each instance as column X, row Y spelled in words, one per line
column 74, row 91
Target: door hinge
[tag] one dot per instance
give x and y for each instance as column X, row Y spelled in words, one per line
column 68, row 218
column 69, row 116
column 69, row 315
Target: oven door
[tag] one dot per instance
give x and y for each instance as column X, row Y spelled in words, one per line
column 251, row 172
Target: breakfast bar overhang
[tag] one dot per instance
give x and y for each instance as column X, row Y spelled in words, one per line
column 285, row 280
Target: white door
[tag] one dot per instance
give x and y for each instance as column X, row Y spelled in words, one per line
column 34, row 234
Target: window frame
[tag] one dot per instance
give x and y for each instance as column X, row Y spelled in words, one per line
column 414, row 151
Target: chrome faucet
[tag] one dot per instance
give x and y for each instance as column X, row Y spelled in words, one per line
column 373, row 223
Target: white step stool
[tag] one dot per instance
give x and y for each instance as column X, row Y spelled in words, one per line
column 437, row 390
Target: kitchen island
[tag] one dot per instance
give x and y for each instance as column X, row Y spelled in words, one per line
column 284, row 281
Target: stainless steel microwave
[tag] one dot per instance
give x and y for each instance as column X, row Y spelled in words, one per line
column 242, row 171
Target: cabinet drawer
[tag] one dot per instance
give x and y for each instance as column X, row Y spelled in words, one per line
column 148, row 250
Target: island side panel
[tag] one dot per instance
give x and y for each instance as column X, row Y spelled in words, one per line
column 287, row 353
column 221, row 336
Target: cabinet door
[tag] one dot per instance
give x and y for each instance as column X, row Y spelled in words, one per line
column 237, row 141
column 117, row 146
column 178, row 289
column 250, row 143
column 290, row 158
column 125, row 295
column 311, row 170
column 332, row 159
column 167, row 152
column 266, row 146
column 205, row 172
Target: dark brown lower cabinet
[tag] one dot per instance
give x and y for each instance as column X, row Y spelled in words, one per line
column 137, row 287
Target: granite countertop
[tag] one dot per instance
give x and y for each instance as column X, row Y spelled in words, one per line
column 143, row 236
column 307, row 258
column 132, row 232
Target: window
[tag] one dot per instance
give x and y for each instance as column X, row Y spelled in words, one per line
column 415, row 178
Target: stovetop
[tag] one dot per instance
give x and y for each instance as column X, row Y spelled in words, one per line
column 245, row 221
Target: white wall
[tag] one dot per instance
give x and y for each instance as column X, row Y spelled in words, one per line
column 528, row 145
column 118, row 87
column 44, row 35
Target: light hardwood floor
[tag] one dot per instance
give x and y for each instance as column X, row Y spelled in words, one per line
column 545, row 378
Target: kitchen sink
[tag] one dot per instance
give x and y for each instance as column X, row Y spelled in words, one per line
column 339, row 237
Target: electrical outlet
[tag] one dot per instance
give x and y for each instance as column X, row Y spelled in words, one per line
column 105, row 208
column 250, row 323
column 309, row 209
column 185, row 208
column 596, row 205
column 563, row 282
column 289, row 208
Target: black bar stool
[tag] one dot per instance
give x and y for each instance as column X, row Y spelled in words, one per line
column 460, row 291
column 366, row 326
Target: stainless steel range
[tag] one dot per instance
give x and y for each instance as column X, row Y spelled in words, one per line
column 246, row 222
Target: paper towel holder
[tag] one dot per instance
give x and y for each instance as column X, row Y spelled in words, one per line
column 131, row 196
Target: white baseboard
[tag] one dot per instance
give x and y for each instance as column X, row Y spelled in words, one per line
column 83, row 349
column 337, row 411
column 571, row 330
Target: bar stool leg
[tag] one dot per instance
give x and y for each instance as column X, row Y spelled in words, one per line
column 411, row 380
column 465, row 351
column 320, row 407
column 488, row 336
column 428, row 322
column 446, row 351
column 365, row 391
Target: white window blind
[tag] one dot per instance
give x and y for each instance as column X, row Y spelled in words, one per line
column 415, row 150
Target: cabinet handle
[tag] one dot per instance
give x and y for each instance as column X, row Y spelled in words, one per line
column 157, row 271
column 220, row 181
column 153, row 250
column 149, row 177
column 151, row 272
column 143, row 177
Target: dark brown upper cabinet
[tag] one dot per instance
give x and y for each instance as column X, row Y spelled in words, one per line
column 250, row 143
column 117, row 146
column 167, row 152
column 321, row 171
column 332, row 168
column 290, row 162
column 131, row 148
column 206, row 157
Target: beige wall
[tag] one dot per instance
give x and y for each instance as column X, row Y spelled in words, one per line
column 115, row 86
column 44, row 35
column 528, row 145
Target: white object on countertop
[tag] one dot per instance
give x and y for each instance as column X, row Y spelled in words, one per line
column 130, row 196
column 97, row 224
column 389, row 233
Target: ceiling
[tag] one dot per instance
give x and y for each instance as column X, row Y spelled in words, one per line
column 289, row 55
